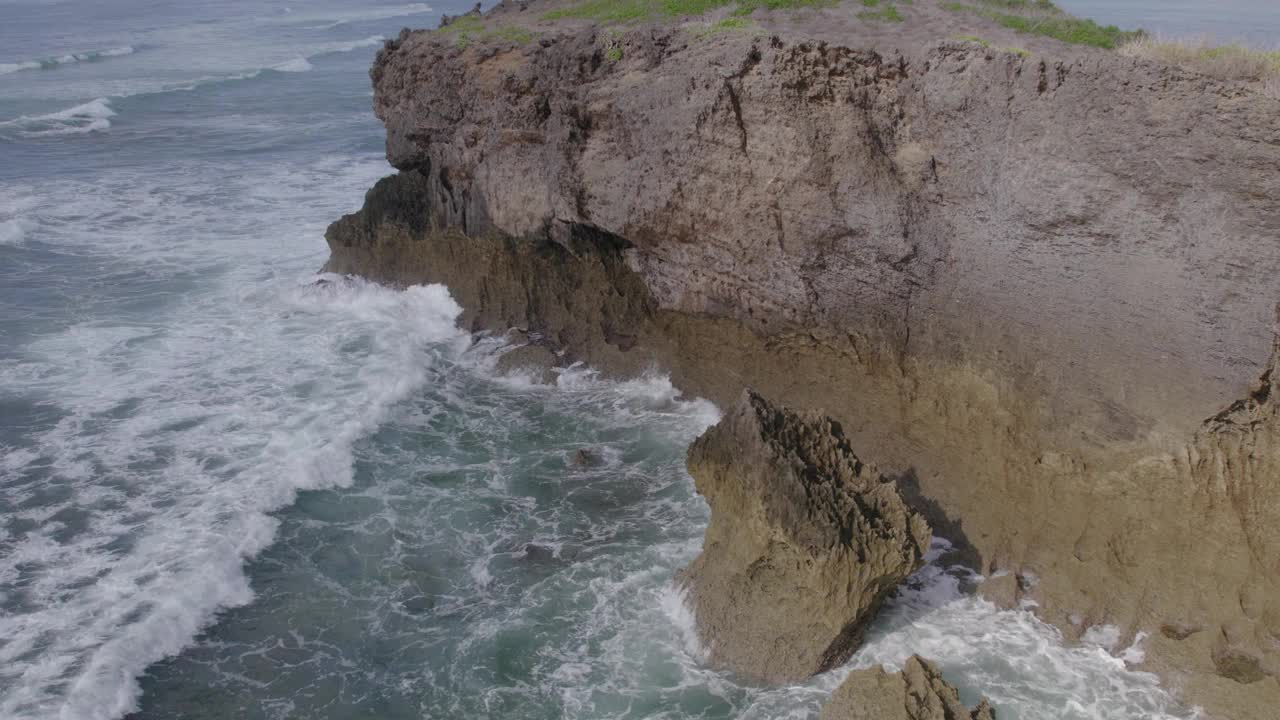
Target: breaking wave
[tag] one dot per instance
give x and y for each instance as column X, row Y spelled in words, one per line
column 166, row 492
column 93, row 116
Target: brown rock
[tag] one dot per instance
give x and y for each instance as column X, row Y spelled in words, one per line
column 585, row 458
column 535, row 361
column 1002, row 590
column 805, row 542
column 1025, row 282
column 918, row 692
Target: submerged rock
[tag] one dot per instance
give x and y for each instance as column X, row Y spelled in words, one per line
column 535, row 361
column 805, row 542
column 916, row 693
column 585, row 458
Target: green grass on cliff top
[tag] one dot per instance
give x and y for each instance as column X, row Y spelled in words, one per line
column 1037, row 17
column 888, row 13
column 467, row 28
column 1042, row 17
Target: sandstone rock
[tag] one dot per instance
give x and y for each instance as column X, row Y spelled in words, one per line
column 535, row 361
column 1002, row 590
column 805, row 542
column 1024, row 281
column 918, row 692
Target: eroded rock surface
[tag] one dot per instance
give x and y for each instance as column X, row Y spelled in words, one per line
column 918, row 692
column 1021, row 283
column 805, row 542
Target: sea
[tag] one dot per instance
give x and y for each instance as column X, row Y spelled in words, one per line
column 229, row 491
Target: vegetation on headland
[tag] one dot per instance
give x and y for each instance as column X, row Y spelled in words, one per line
column 1037, row 17
column 1227, row 62
column 724, row 25
column 888, row 13
column 468, row 28
column 973, row 39
column 1042, row 17
column 1020, row 52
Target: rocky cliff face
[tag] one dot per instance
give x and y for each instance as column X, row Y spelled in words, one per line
column 805, row 542
column 1026, row 286
column 918, row 692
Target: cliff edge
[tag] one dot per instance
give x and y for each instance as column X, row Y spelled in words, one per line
column 1037, row 288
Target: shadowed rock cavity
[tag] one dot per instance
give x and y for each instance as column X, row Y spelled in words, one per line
column 805, row 542
column 918, row 692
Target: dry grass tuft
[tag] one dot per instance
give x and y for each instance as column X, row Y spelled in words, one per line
column 1226, row 62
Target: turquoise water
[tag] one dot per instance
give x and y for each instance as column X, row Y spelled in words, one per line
column 229, row 492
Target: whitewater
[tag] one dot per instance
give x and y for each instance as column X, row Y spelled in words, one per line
column 231, row 487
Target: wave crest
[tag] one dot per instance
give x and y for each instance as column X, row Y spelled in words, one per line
column 92, row 116
column 56, row 61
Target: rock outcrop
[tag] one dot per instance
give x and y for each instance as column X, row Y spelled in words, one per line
column 918, row 692
column 1028, row 285
column 805, row 542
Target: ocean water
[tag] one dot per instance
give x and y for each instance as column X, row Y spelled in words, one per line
column 229, row 491
column 1251, row 22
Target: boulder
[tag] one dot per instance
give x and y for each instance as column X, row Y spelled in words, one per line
column 805, row 542
column 534, row 361
column 916, row 693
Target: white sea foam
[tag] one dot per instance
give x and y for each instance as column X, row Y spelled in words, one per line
column 294, row 66
column 14, row 223
column 179, row 436
column 1134, row 654
column 674, row 604
column 223, row 434
column 12, row 232
column 1103, row 636
column 343, row 47
column 1022, row 664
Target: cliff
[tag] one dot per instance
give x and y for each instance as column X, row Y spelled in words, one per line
column 1038, row 289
